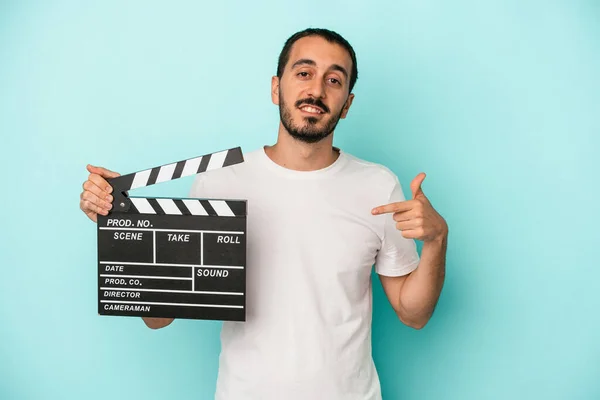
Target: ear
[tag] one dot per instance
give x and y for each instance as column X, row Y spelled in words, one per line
column 275, row 90
column 347, row 106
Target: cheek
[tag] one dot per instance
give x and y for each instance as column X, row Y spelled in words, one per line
column 289, row 91
column 338, row 108
column 289, row 98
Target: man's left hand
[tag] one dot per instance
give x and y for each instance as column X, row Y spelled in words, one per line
column 416, row 218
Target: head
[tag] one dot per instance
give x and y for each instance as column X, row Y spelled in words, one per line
column 313, row 88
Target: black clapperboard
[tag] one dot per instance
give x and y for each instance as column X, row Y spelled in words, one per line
column 173, row 257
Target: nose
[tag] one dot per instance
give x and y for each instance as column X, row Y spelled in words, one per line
column 317, row 89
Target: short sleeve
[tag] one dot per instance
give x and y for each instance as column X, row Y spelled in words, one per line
column 398, row 255
column 196, row 188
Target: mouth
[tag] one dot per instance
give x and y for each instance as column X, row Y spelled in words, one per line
column 312, row 110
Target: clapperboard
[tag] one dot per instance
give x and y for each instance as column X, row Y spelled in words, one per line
column 173, row 258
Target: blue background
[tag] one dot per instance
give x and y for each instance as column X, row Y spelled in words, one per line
column 497, row 101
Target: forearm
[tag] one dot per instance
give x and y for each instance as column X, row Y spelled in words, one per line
column 422, row 288
column 157, row 323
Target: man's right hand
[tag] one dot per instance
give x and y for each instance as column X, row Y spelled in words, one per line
column 96, row 197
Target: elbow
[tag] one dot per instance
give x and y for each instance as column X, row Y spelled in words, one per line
column 418, row 325
column 414, row 323
column 157, row 323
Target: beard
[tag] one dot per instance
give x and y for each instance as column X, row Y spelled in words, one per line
column 308, row 130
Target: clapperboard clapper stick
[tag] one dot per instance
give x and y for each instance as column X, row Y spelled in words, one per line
column 173, row 257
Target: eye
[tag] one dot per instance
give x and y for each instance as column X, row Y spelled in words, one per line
column 335, row 81
column 302, row 74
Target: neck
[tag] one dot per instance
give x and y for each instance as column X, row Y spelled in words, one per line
column 300, row 156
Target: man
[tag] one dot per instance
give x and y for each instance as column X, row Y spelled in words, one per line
column 318, row 220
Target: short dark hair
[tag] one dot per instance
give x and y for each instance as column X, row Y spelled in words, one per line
column 326, row 34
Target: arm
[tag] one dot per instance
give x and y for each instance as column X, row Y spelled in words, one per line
column 96, row 199
column 157, row 323
column 414, row 296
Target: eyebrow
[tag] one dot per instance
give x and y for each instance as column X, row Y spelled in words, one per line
column 306, row 61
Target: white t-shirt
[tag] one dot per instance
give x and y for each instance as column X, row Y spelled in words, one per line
column 311, row 246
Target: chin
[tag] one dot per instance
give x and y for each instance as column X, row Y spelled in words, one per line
column 310, row 121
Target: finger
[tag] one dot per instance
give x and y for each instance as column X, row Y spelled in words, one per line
column 415, row 185
column 95, row 200
column 395, row 207
column 409, row 225
column 410, row 234
column 105, row 173
column 100, row 182
column 406, row 215
column 90, row 208
column 89, row 186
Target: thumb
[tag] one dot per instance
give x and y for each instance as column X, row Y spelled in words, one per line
column 103, row 172
column 415, row 185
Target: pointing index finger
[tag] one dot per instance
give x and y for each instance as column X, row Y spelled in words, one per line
column 392, row 207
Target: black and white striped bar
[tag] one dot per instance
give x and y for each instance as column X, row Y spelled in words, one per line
column 220, row 208
column 179, row 169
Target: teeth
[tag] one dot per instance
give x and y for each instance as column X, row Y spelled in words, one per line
column 311, row 110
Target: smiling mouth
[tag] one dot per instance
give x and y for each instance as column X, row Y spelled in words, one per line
column 311, row 109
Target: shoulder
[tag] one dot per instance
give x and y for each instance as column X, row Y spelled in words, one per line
column 370, row 172
column 223, row 176
column 249, row 160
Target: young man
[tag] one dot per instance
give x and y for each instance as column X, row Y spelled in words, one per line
column 319, row 219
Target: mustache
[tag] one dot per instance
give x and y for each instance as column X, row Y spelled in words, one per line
column 312, row 102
